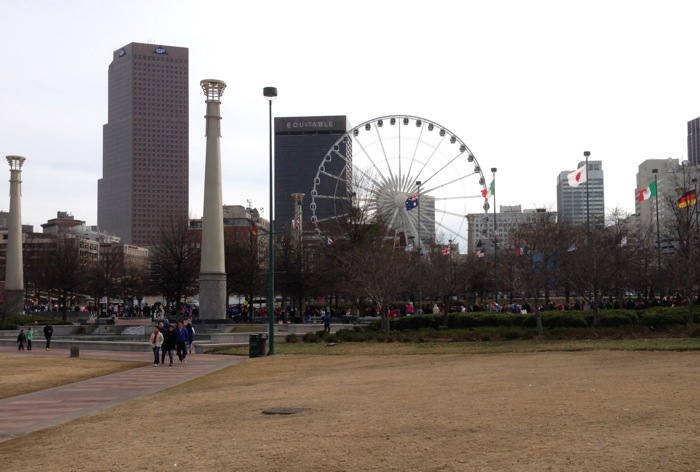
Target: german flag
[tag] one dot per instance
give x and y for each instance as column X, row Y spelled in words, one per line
column 688, row 198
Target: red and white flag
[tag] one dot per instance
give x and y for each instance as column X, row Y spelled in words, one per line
column 578, row 176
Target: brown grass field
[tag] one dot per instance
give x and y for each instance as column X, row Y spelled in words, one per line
column 544, row 411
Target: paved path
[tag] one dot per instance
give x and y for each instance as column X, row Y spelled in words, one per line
column 23, row 414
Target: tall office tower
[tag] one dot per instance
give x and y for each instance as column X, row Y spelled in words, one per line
column 145, row 161
column 572, row 201
column 301, row 144
column 694, row 141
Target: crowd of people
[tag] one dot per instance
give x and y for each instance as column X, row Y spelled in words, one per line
column 167, row 339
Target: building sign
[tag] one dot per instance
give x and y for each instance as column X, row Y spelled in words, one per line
column 160, row 50
column 310, row 123
column 122, row 52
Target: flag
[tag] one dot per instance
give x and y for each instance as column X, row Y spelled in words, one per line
column 412, row 202
column 446, row 251
column 409, row 247
column 521, row 251
column 578, row 176
column 572, row 248
column 688, row 198
column 329, row 241
column 647, row 193
column 489, row 192
column 480, row 253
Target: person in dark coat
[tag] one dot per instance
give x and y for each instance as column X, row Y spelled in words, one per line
column 21, row 337
column 190, row 336
column 181, row 337
column 48, row 332
column 169, row 342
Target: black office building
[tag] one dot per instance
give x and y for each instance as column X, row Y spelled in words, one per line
column 301, row 143
column 694, row 141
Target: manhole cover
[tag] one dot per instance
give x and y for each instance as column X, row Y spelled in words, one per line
column 284, row 411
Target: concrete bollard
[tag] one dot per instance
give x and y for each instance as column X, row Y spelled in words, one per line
column 74, row 351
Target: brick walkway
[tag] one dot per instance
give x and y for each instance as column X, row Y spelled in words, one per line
column 23, row 414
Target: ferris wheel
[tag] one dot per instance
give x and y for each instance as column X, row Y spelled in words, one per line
column 414, row 175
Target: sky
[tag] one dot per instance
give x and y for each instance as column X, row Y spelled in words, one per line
column 528, row 86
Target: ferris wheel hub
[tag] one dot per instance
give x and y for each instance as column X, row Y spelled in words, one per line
column 400, row 199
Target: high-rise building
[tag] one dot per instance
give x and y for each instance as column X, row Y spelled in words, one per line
column 694, row 141
column 301, row 144
column 579, row 205
column 145, row 162
column 480, row 234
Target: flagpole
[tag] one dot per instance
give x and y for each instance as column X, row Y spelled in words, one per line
column 658, row 233
column 420, row 254
column 588, row 220
column 495, row 237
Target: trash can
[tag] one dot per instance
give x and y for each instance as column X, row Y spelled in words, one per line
column 256, row 345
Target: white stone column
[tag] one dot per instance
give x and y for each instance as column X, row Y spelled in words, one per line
column 212, row 274
column 14, row 275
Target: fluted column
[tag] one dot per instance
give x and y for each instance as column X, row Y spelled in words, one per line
column 14, row 275
column 212, row 275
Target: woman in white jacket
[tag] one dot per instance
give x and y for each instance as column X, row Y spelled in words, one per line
column 156, row 343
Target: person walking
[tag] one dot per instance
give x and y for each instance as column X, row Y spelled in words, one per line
column 181, row 337
column 30, row 335
column 48, row 332
column 21, row 337
column 163, row 329
column 169, row 342
column 190, row 337
column 156, row 343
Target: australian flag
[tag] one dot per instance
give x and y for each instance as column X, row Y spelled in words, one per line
column 412, row 202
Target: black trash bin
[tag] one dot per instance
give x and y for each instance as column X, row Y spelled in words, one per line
column 256, row 345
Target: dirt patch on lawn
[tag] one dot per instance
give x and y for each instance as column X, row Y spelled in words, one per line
column 603, row 411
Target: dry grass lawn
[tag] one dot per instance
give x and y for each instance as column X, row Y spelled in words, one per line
column 588, row 411
column 24, row 374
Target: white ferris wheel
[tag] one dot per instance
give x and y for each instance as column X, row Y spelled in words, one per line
column 400, row 169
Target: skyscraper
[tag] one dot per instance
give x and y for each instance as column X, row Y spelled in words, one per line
column 301, row 143
column 694, row 141
column 572, row 201
column 145, row 161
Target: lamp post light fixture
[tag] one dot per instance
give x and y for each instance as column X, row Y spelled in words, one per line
column 495, row 238
column 658, row 232
column 270, row 93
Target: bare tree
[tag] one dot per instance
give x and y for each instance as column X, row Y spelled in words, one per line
column 595, row 262
column 175, row 263
column 682, row 241
column 67, row 270
column 535, row 262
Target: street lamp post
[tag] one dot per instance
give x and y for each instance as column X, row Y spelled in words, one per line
column 420, row 253
column 270, row 93
column 495, row 238
column 658, row 233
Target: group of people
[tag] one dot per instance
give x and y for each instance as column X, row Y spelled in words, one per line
column 168, row 339
column 28, row 336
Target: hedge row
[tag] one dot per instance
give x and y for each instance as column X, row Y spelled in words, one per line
column 658, row 316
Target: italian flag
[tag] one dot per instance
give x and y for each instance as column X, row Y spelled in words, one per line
column 489, row 192
column 647, row 193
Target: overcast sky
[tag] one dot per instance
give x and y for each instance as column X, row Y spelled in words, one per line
column 528, row 86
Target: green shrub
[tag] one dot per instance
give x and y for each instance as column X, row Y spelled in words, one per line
column 618, row 317
column 311, row 338
column 663, row 316
column 694, row 332
column 292, row 338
